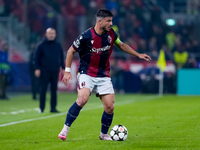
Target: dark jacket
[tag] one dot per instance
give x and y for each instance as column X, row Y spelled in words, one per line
column 49, row 56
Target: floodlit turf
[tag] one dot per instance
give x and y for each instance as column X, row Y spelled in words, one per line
column 169, row 122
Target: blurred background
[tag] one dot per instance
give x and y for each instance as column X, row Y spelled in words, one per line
column 147, row 26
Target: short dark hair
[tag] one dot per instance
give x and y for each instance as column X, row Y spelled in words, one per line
column 104, row 13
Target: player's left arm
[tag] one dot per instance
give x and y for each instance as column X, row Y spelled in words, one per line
column 124, row 47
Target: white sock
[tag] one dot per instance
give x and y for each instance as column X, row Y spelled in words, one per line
column 66, row 127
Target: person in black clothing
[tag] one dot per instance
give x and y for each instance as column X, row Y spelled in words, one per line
column 49, row 60
column 35, row 86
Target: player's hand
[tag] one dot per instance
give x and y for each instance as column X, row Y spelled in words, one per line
column 66, row 78
column 145, row 57
column 37, row 72
column 63, row 71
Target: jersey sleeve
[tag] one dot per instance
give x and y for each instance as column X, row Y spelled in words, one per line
column 79, row 43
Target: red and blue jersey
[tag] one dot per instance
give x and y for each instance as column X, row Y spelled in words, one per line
column 94, row 51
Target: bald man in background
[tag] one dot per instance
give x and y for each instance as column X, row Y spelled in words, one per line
column 49, row 60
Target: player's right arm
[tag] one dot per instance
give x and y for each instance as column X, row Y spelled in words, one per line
column 77, row 46
column 67, row 76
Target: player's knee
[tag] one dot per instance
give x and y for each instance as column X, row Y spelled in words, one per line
column 109, row 109
column 81, row 101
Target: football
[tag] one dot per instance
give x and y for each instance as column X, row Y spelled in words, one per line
column 119, row 133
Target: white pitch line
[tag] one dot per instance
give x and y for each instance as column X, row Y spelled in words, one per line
column 86, row 109
column 19, row 111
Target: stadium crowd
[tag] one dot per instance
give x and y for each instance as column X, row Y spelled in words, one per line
column 144, row 34
column 141, row 28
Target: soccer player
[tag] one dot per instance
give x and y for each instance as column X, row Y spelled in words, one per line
column 95, row 46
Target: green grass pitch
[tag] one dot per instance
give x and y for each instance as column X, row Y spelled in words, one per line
column 169, row 122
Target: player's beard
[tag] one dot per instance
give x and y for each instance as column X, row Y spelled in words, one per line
column 106, row 29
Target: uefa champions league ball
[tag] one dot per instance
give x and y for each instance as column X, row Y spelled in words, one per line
column 119, row 133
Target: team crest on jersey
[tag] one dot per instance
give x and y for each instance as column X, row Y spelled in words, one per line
column 109, row 39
